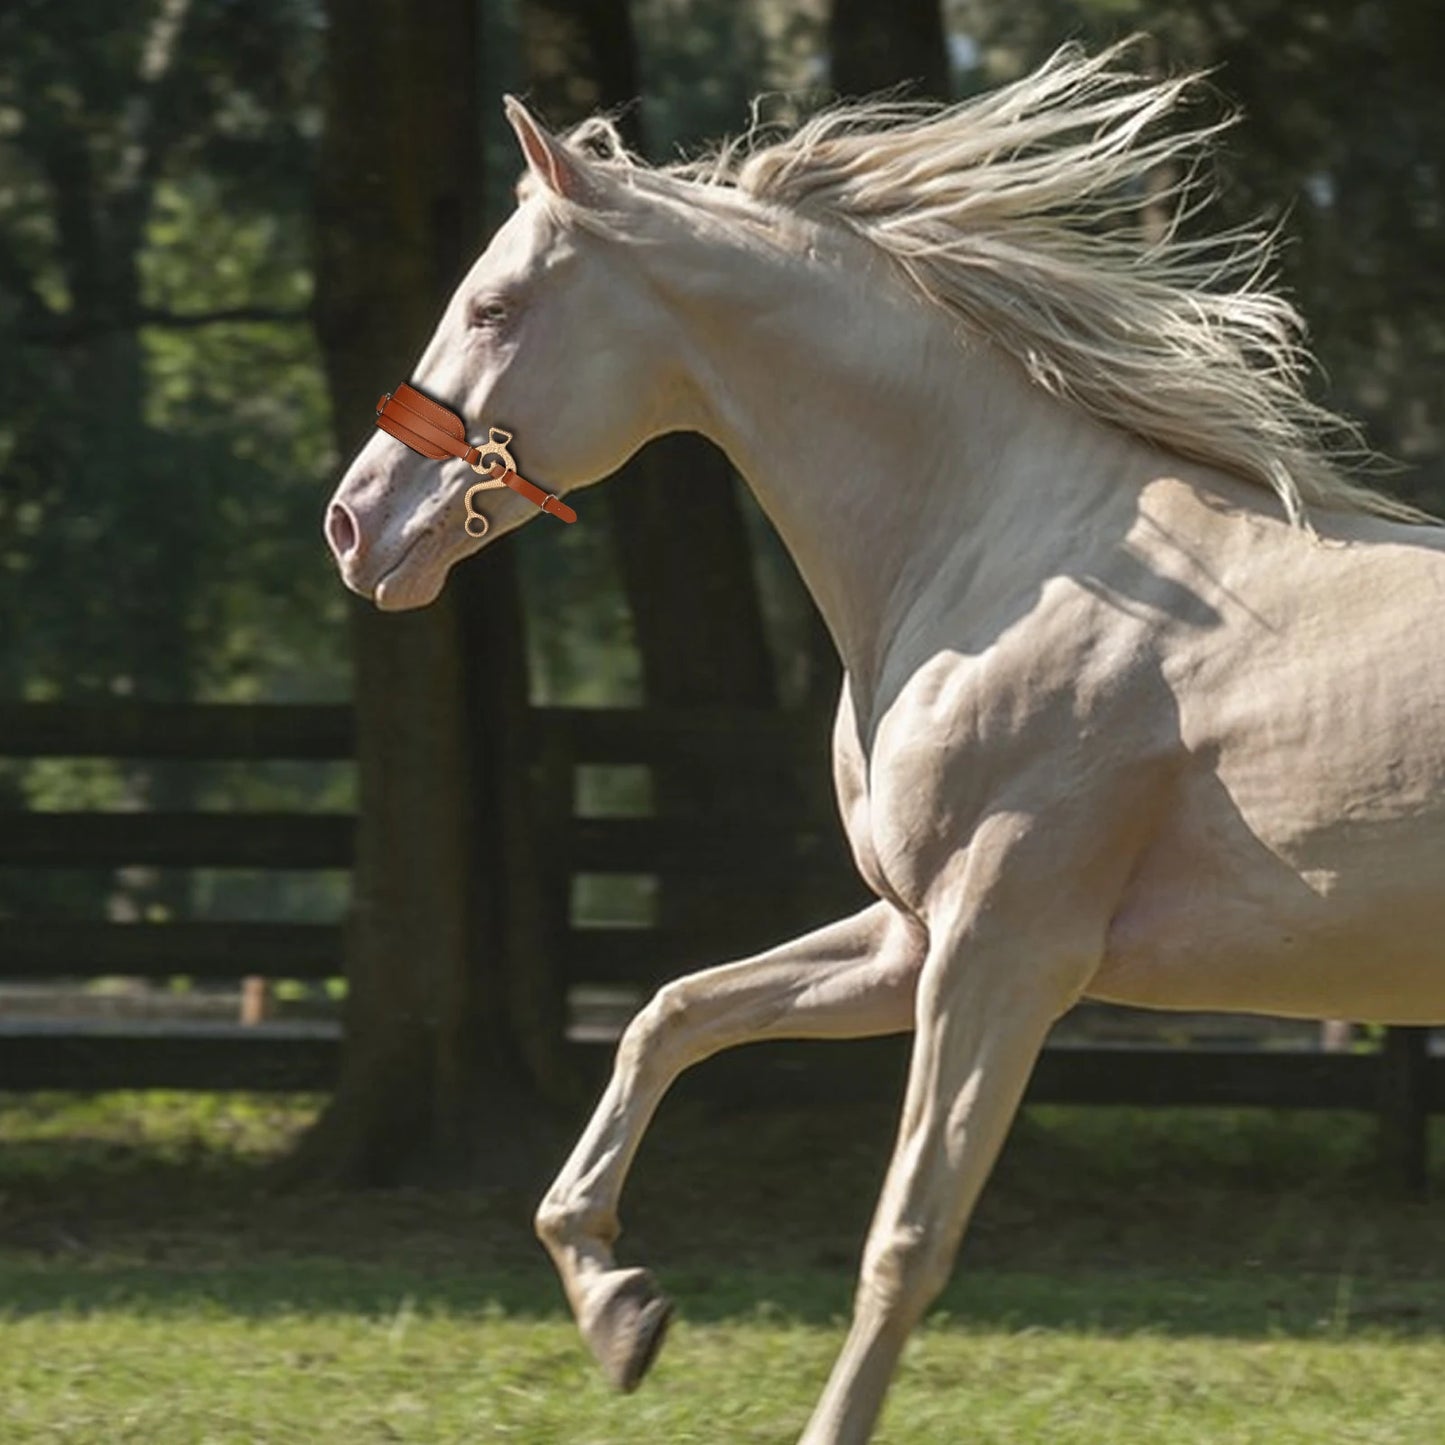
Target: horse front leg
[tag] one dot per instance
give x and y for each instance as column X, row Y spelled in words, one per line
column 987, row 996
column 850, row 979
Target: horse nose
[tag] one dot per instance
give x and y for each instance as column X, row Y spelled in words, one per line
column 342, row 533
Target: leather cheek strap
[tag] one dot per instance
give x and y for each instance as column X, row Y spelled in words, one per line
column 421, row 424
column 427, row 427
column 552, row 505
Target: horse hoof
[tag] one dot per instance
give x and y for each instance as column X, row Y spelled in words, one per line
column 628, row 1327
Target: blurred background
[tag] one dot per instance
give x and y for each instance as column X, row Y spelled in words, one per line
column 377, row 893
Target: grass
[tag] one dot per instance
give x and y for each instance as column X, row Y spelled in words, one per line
column 1131, row 1276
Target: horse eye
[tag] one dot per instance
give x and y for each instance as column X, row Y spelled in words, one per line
column 488, row 313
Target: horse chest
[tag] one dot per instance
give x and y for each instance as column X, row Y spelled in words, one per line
column 911, row 795
column 1066, row 736
column 850, row 779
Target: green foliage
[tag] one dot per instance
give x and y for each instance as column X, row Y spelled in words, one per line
column 161, row 485
column 161, row 481
column 1340, row 144
column 375, row 1358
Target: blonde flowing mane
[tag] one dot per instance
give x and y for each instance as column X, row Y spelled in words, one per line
column 1018, row 213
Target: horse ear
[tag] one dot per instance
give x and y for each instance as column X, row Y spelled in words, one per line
column 557, row 168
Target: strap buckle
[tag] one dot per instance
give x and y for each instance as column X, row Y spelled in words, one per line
column 494, row 454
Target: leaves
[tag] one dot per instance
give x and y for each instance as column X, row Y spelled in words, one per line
column 1340, row 141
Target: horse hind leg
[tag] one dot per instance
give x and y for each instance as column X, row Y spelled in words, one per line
column 985, row 1004
column 850, row 979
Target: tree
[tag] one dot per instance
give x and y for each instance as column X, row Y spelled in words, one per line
column 694, row 603
column 441, row 1059
column 110, row 138
column 148, row 506
column 676, row 518
column 1355, row 184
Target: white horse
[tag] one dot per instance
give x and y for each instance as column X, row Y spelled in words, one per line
column 1144, row 698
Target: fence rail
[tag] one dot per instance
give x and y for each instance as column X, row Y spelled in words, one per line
column 278, row 1057
column 178, row 840
column 1402, row 1081
column 126, row 729
column 78, row 948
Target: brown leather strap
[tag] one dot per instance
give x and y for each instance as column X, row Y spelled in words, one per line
column 435, row 431
column 424, row 425
column 534, row 494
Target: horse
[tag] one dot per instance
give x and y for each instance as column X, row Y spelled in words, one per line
column 1143, row 697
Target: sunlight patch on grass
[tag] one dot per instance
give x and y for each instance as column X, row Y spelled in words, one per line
column 413, row 1377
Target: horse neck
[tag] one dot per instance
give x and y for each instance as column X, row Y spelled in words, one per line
column 887, row 454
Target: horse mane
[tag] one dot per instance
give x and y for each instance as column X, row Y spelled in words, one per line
column 1017, row 213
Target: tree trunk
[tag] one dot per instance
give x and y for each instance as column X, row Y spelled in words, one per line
column 685, row 563
column 681, row 537
column 433, row 1084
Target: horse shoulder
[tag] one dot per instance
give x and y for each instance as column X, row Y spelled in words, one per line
column 1065, row 722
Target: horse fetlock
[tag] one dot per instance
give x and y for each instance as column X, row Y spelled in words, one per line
column 551, row 1222
column 561, row 1221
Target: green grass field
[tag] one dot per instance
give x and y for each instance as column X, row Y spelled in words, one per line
column 1151, row 1277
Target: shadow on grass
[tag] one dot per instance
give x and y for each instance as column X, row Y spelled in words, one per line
column 1106, row 1221
column 1113, row 1304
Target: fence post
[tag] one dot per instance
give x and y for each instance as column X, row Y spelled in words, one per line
column 1404, row 1106
column 256, row 1000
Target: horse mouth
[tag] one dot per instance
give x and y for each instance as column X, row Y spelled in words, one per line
column 408, row 583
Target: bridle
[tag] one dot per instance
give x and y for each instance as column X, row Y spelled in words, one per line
column 435, row 431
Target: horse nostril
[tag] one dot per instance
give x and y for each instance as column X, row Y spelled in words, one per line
column 341, row 531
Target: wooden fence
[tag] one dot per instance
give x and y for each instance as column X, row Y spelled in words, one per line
column 96, row 1054
column 1403, row 1082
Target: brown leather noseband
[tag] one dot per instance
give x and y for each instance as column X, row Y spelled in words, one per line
column 433, row 430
